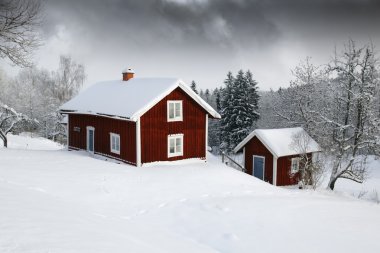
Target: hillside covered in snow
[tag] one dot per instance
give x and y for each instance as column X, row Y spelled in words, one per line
column 53, row 200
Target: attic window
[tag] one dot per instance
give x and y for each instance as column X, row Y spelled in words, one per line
column 175, row 145
column 295, row 166
column 175, row 110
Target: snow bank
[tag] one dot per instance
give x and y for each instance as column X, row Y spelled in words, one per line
column 67, row 201
column 27, row 141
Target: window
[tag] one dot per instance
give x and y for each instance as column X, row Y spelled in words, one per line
column 175, row 145
column 174, row 110
column 295, row 165
column 115, row 143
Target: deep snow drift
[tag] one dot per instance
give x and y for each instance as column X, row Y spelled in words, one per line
column 61, row 201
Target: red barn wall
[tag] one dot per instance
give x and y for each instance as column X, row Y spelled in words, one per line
column 255, row 147
column 103, row 127
column 284, row 177
column 155, row 129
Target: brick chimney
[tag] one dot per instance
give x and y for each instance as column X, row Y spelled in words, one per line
column 128, row 73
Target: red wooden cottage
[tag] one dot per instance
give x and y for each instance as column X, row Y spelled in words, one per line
column 271, row 154
column 139, row 120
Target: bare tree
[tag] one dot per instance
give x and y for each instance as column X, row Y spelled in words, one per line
column 340, row 110
column 355, row 124
column 19, row 20
column 68, row 79
column 311, row 166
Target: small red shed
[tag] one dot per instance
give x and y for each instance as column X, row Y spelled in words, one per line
column 139, row 120
column 271, row 154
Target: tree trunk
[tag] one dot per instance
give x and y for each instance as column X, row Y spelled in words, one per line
column 5, row 140
column 332, row 183
column 334, row 176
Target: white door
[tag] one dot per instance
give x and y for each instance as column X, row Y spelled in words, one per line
column 90, row 139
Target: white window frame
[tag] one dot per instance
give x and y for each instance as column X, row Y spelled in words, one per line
column 176, row 117
column 176, row 152
column 117, row 137
column 295, row 160
column 88, row 128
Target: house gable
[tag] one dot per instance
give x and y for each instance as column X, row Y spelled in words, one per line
column 155, row 129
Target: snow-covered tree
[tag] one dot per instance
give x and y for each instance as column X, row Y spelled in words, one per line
column 353, row 125
column 214, row 125
column 226, row 123
column 207, row 95
column 239, row 108
column 9, row 119
column 38, row 93
column 193, row 86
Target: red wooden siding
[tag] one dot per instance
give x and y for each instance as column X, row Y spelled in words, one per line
column 284, row 177
column 155, row 129
column 255, row 147
column 103, row 127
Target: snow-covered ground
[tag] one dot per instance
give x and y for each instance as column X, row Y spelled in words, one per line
column 59, row 201
column 369, row 190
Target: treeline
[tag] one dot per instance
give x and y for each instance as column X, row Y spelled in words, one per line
column 36, row 94
column 237, row 101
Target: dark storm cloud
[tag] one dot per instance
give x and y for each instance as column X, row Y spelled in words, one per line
column 187, row 37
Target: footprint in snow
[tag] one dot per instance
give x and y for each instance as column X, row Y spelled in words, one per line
column 125, row 217
column 183, row 200
column 162, row 205
column 100, row 215
column 142, row 211
column 205, row 196
column 37, row 189
column 231, row 237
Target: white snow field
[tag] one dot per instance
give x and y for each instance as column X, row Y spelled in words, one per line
column 60, row 201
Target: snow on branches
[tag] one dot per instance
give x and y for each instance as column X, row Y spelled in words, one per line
column 9, row 119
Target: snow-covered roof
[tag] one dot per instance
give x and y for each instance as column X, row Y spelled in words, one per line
column 282, row 142
column 128, row 99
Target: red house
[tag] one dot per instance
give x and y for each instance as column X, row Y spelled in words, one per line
column 272, row 155
column 139, row 120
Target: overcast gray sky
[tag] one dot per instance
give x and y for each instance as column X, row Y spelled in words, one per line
column 200, row 39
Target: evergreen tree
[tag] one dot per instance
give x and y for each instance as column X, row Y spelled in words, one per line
column 241, row 110
column 218, row 99
column 207, row 95
column 226, row 123
column 253, row 97
column 194, row 86
column 214, row 125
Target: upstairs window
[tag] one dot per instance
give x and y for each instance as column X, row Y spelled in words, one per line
column 175, row 145
column 115, row 143
column 295, row 165
column 175, row 110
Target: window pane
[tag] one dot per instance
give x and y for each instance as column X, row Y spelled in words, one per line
column 117, row 144
column 172, row 146
column 171, row 110
column 178, row 148
column 178, row 109
column 113, row 142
